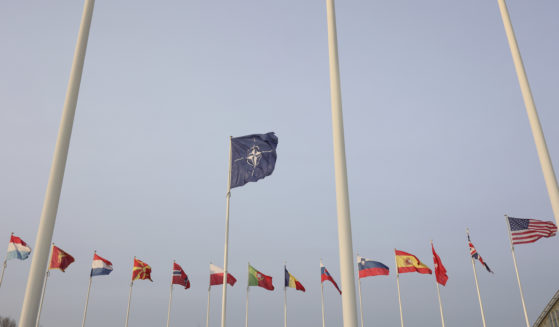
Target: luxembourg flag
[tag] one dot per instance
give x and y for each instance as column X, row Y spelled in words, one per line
column 100, row 266
column 17, row 249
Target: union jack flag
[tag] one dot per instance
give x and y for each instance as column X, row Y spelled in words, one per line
column 476, row 255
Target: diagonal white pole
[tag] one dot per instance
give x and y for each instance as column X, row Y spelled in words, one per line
column 208, row 307
column 360, row 301
column 129, row 300
column 517, row 275
column 537, row 132
column 226, row 250
column 87, row 297
column 322, row 302
column 398, row 284
column 170, row 296
column 342, row 195
column 246, row 312
column 35, row 280
column 439, row 295
column 477, row 286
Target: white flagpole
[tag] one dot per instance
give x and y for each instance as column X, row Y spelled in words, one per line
column 477, row 285
column 129, row 299
column 322, row 301
column 87, row 297
column 246, row 312
column 398, row 284
column 537, row 132
column 29, row 311
column 439, row 295
column 5, row 264
column 342, row 194
column 208, row 306
column 170, row 296
column 284, row 297
column 517, row 275
column 226, row 250
column 42, row 298
column 360, row 300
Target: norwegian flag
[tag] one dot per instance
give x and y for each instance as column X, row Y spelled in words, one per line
column 180, row 277
column 476, row 255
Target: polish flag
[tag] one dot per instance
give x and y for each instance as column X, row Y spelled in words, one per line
column 216, row 276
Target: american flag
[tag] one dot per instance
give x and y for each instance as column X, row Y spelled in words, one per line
column 530, row 230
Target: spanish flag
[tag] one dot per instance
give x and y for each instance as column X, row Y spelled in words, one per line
column 141, row 270
column 59, row 259
column 409, row 263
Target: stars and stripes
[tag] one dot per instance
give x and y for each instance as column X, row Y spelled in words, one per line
column 524, row 230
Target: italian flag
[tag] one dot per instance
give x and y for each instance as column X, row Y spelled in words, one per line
column 256, row 278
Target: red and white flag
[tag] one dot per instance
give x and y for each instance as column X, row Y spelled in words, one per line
column 216, row 276
column 180, row 277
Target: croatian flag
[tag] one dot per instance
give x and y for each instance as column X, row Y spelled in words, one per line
column 325, row 275
column 216, row 276
column 371, row 268
column 100, row 266
column 17, row 249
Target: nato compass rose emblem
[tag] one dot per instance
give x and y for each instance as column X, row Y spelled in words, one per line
column 253, row 156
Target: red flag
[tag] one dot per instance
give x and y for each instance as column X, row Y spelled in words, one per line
column 216, row 276
column 440, row 270
column 141, row 270
column 180, row 277
column 60, row 259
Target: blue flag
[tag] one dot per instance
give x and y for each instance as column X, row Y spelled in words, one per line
column 253, row 157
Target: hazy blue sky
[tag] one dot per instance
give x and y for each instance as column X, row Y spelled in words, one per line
column 436, row 133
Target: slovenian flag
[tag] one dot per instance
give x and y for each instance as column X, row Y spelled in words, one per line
column 17, row 249
column 100, row 266
column 371, row 268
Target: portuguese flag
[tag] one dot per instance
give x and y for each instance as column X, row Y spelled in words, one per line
column 256, row 278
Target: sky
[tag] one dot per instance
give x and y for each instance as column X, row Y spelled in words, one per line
column 437, row 141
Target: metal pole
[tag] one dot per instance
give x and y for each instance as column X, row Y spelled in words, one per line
column 4, row 265
column 439, row 295
column 246, row 312
column 86, row 301
column 42, row 299
column 129, row 298
column 342, row 195
column 537, row 132
column 360, row 301
column 398, row 284
column 517, row 275
column 208, row 308
column 322, row 301
column 284, row 298
column 170, row 296
column 226, row 250
column 477, row 287
column 35, row 280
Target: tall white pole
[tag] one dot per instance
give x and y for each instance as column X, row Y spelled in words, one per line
column 42, row 299
column 226, row 250
column 439, row 294
column 477, row 286
column 322, row 301
column 537, row 132
column 398, row 284
column 342, row 194
column 86, row 301
column 517, row 275
column 35, row 280
column 284, row 297
column 208, row 308
column 170, row 296
column 129, row 299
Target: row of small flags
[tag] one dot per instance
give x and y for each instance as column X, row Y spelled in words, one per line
column 522, row 231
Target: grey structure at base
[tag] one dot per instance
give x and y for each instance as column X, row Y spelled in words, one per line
column 550, row 314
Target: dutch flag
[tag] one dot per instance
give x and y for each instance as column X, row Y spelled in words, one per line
column 100, row 266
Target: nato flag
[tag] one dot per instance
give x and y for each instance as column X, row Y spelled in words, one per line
column 253, row 157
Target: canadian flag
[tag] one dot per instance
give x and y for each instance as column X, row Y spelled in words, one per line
column 216, row 276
